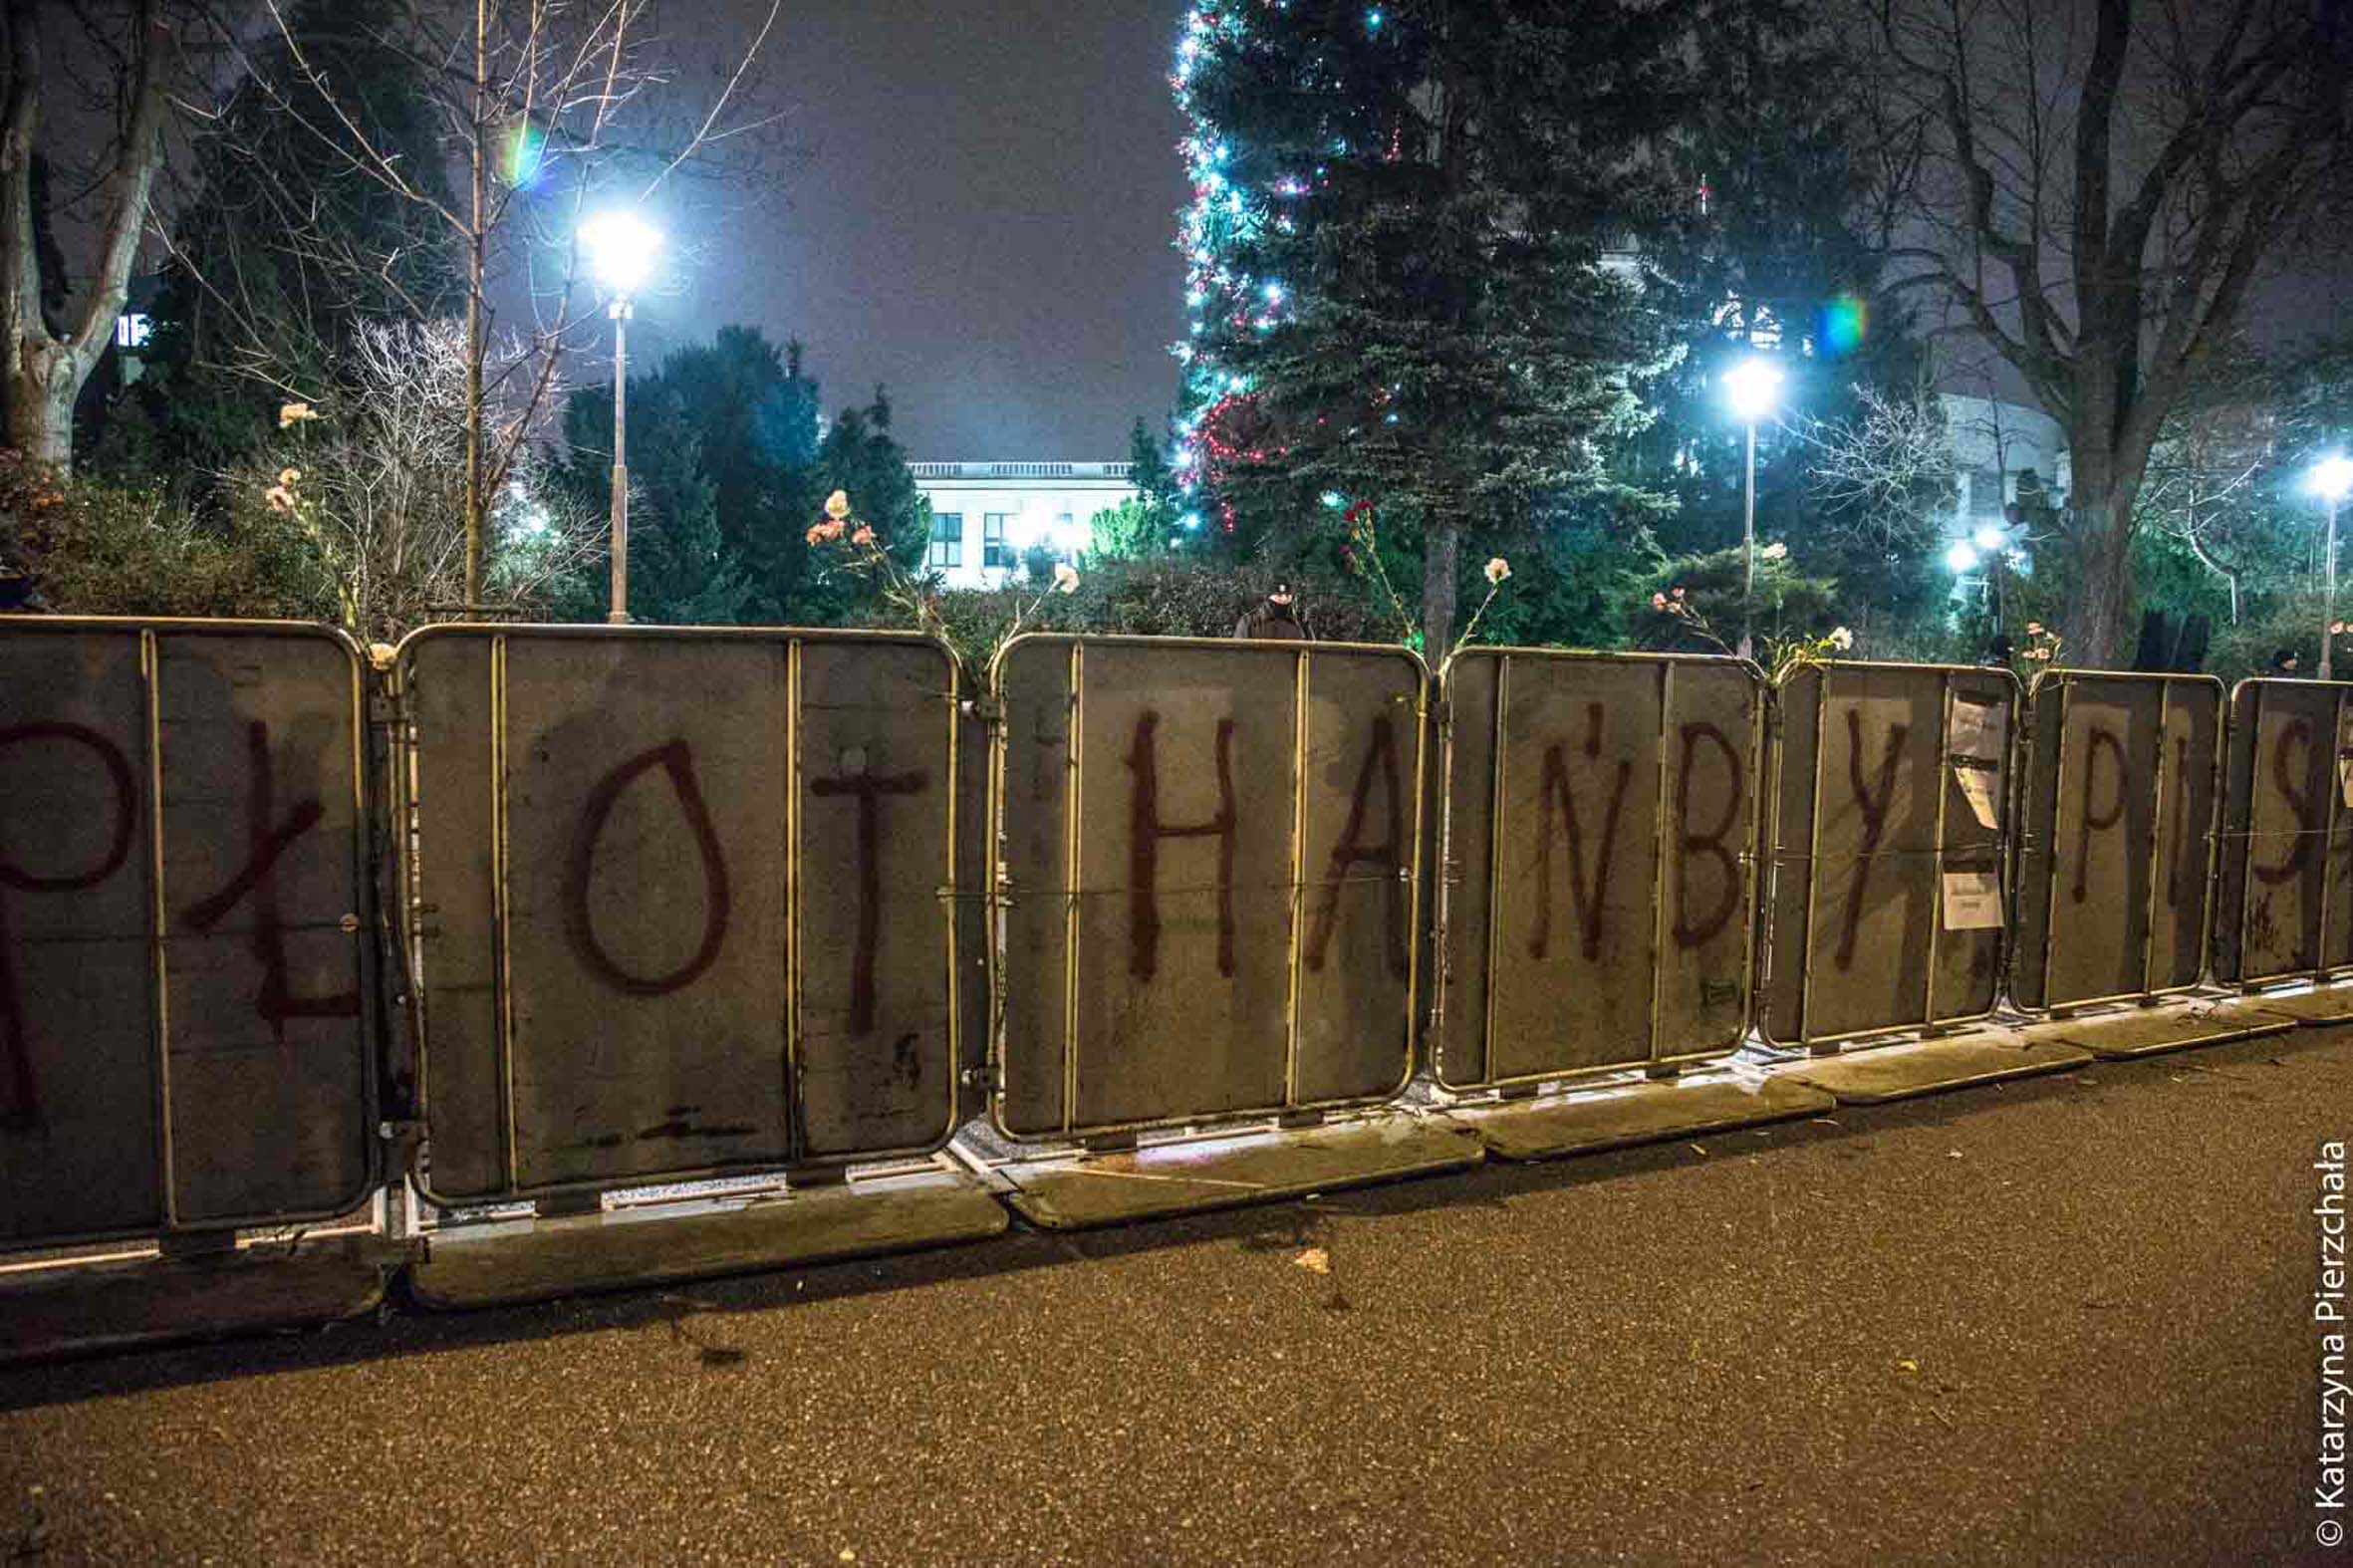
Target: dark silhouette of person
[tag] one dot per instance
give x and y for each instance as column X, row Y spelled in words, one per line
column 1275, row 619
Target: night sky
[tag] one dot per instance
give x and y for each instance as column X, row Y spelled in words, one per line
column 980, row 220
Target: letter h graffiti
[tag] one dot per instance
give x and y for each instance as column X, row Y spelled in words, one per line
column 1145, row 829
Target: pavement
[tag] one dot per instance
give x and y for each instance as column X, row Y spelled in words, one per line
column 2062, row 1320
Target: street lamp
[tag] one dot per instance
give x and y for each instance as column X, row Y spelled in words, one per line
column 621, row 247
column 2331, row 479
column 1752, row 387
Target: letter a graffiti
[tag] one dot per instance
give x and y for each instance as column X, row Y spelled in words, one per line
column 1380, row 766
column 1144, row 832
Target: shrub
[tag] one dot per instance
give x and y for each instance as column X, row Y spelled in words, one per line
column 88, row 547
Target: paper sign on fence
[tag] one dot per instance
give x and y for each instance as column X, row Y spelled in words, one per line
column 1976, row 729
column 1980, row 787
column 1972, row 900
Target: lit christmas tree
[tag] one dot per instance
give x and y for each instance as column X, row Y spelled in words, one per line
column 1411, row 264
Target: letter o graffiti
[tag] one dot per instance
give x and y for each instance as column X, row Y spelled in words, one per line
column 126, row 807
column 676, row 761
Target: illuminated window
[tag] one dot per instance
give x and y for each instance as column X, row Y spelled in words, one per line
column 131, row 330
column 947, row 540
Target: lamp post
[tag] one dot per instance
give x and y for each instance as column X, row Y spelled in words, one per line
column 2331, row 479
column 1751, row 387
column 621, row 247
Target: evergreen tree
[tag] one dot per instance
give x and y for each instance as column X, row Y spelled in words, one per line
column 728, row 467
column 681, row 572
column 1148, row 468
column 860, row 456
column 755, row 414
column 1406, row 258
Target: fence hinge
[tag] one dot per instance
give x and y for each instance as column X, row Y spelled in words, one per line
column 985, row 707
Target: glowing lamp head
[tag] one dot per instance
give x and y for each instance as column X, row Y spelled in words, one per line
column 1987, row 536
column 2331, row 478
column 1752, row 388
column 621, row 249
column 1962, row 556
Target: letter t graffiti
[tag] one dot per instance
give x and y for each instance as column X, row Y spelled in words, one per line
column 869, row 790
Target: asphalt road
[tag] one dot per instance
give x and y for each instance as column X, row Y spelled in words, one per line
column 2058, row 1322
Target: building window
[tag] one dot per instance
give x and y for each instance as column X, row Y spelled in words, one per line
column 992, row 539
column 947, row 540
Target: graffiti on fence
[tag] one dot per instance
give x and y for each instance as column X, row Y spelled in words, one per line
column 1380, row 767
column 1688, row 932
column 1556, row 796
column 267, row 838
column 676, row 762
column 1145, row 829
column 2181, row 825
column 856, row 781
column 2299, row 800
column 1874, row 809
column 20, row 1097
column 2098, row 741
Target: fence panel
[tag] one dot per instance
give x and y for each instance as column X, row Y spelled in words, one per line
column 2285, row 892
column 184, row 921
column 1600, row 828
column 1209, row 855
column 683, row 900
column 2121, row 806
column 1888, row 803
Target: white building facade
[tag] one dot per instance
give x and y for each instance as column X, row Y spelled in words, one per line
column 986, row 515
column 1993, row 442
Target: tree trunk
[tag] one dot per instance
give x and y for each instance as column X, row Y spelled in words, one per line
column 1441, row 546
column 41, row 403
column 2101, row 532
column 45, row 367
column 2105, row 482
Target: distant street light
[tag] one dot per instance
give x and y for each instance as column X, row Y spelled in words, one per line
column 2331, row 479
column 621, row 247
column 1988, row 537
column 1752, row 388
column 1961, row 558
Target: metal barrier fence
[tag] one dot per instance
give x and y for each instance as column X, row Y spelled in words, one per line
column 1888, row 807
column 1208, row 879
column 680, row 902
column 2284, row 893
column 683, row 902
column 1599, row 849
column 185, row 929
column 2120, row 803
